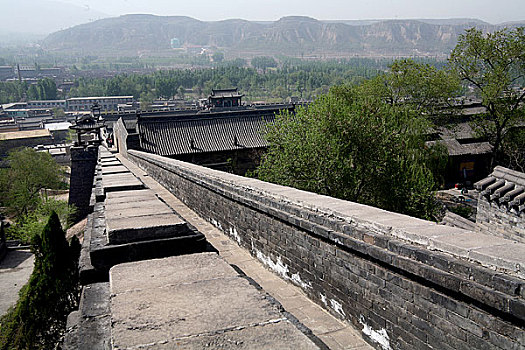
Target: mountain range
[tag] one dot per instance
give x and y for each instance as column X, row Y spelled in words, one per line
column 295, row 35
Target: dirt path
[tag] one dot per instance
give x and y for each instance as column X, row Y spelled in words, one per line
column 15, row 270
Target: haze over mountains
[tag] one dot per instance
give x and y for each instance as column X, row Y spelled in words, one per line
column 39, row 18
column 131, row 34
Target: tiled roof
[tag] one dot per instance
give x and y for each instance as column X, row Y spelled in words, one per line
column 504, row 186
column 455, row 148
column 130, row 124
column 26, row 134
column 459, row 131
column 201, row 134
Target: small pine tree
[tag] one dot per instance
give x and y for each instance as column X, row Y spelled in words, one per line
column 38, row 320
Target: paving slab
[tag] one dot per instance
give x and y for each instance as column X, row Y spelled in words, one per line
column 133, row 203
column 116, row 169
column 109, row 163
column 130, row 195
column 424, row 232
column 121, row 182
column 122, row 211
column 462, row 243
column 193, row 309
column 282, row 336
column 511, row 256
column 191, row 268
column 125, row 229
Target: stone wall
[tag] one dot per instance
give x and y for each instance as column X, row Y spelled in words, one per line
column 406, row 283
column 123, row 139
column 500, row 221
column 83, row 163
column 501, row 204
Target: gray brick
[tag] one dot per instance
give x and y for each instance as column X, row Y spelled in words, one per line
column 479, row 343
column 504, row 342
column 464, row 323
column 485, row 295
column 517, row 308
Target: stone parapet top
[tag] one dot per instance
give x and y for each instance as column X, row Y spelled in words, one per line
column 326, row 216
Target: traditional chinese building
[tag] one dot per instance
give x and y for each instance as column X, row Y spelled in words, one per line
column 224, row 98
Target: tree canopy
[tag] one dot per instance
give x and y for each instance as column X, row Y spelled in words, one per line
column 493, row 66
column 420, row 86
column 38, row 319
column 352, row 145
column 29, row 172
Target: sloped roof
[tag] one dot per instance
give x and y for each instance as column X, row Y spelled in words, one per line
column 459, row 131
column 504, row 186
column 455, row 148
column 26, row 134
column 203, row 134
column 57, row 126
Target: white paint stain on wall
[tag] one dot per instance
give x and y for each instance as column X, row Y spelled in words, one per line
column 233, row 232
column 334, row 304
column 277, row 266
column 323, row 299
column 216, row 224
column 280, row 268
column 337, row 306
column 381, row 337
column 297, row 280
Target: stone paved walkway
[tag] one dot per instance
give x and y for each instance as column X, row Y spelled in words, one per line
column 333, row 332
column 15, row 270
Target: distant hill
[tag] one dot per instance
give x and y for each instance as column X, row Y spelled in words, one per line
column 42, row 17
column 293, row 35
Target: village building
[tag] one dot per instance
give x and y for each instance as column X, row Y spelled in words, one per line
column 106, row 103
column 224, row 135
column 224, row 98
column 26, row 138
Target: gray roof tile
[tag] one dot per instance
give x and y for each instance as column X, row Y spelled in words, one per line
column 201, row 134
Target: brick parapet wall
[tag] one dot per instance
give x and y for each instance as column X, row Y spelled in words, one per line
column 373, row 268
column 500, row 221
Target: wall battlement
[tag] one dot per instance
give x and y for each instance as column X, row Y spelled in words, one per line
column 407, row 283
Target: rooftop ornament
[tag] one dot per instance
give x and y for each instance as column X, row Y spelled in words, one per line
column 86, row 124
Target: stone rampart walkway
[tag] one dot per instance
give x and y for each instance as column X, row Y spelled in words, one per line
column 333, row 332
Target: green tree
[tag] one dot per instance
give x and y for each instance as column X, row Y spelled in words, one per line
column 38, row 319
column 28, row 225
column 352, row 145
column 29, row 172
column 218, row 57
column 58, row 112
column 263, row 62
column 493, row 65
column 146, row 100
column 420, row 86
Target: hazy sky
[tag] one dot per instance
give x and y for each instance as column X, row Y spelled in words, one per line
column 493, row 11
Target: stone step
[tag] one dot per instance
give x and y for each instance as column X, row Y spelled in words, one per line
column 114, row 169
column 193, row 302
